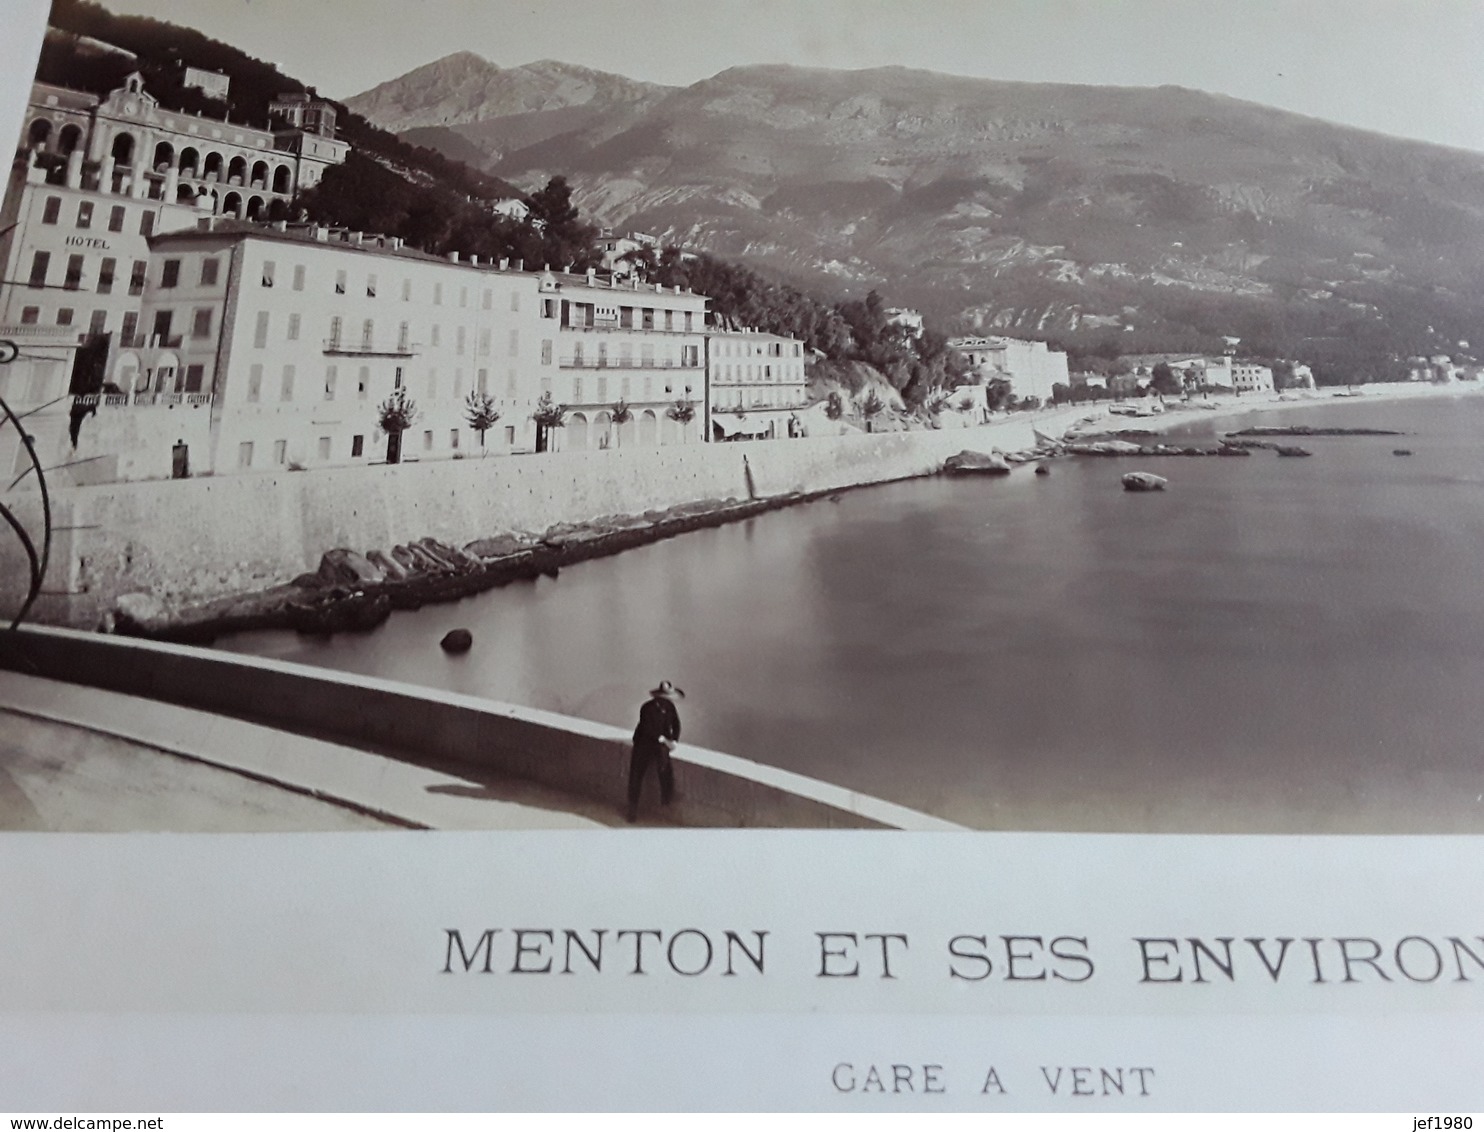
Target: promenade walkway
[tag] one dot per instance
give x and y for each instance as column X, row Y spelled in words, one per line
column 80, row 759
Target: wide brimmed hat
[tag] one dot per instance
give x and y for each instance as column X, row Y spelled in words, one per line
column 668, row 690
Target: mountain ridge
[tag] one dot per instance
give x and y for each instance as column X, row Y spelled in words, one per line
column 1159, row 213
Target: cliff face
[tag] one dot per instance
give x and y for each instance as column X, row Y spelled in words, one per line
column 1041, row 208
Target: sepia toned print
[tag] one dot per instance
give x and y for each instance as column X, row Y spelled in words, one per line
column 980, row 449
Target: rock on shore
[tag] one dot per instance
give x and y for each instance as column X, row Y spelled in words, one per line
column 968, row 463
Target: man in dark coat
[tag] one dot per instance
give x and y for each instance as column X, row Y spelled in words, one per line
column 654, row 738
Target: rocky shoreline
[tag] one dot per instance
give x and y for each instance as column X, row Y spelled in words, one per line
column 356, row 592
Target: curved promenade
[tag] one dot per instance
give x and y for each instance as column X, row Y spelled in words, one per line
column 566, row 757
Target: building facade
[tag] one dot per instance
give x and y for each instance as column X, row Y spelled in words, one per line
column 625, row 345
column 1251, row 377
column 757, row 385
column 1032, row 368
column 275, row 347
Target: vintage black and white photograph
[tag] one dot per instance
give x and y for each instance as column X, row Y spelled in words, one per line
column 988, row 416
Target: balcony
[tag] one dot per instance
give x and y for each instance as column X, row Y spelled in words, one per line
column 613, row 329
column 624, row 363
column 138, row 400
column 336, row 348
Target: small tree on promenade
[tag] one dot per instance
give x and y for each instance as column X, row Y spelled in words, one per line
column 622, row 415
column 872, row 408
column 396, row 415
column 834, row 407
column 480, row 413
column 548, row 415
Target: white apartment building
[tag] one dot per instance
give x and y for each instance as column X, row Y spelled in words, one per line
column 757, row 385
column 1251, row 377
column 641, row 344
column 1032, row 368
column 268, row 347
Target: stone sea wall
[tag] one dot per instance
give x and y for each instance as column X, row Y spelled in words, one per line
column 188, row 540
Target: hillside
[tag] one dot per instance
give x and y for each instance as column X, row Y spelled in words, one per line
column 1162, row 217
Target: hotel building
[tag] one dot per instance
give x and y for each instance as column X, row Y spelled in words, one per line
column 93, row 180
column 641, row 344
column 277, row 345
column 757, row 385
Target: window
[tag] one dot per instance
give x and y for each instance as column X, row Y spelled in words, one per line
column 510, row 435
column 688, row 317
column 370, row 286
column 260, row 332
column 626, row 317
column 324, row 448
column 162, row 327
column 293, row 328
column 482, row 380
column 428, row 440
column 170, row 273
column 515, row 301
column 453, row 438
column 648, row 318
column 669, row 320
column 98, row 322
column 459, row 333
column 269, row 269
column 548, row 308
column 514, row 346
column 602, row 389
column 30, row 316
column 407, row 290
column 368, row 333
column 357, row 445
column 84, row 215
column 299, row 277
column 397, row 378
column 147, row 224
column 116, row 218
column 286, row 390
column 331, row 373
column 51, row 210
column 254, row 383
column 546, row 351
column 432, row 385
column 489, row 297
column 435, row 334
column 201, row 323
column 577, row 389
column 194, row 376
column 335, row 332
column 131, row 324
column 339, row 282
column 136, row 277
column 437, row 294
column 484, row 342
column 280, row 452
column 39, row 264
column 244, row 454
column 403, row 333
column 64, row 316
column 363, row 382
column 105, row 276
column 577, row 353
column 463, row 296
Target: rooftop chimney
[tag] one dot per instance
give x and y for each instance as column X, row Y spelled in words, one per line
column 474, row 260
column 504, row 263
column 453, row 257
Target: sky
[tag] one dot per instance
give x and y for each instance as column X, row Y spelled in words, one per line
column 1413, row 68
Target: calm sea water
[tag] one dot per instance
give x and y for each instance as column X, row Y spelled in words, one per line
column 1270, row 645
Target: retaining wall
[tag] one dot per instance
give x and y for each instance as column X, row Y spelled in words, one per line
column 416, row 724
column 199, row 538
